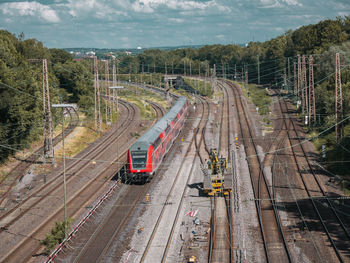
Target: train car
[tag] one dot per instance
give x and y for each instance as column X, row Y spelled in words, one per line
column 147, row 153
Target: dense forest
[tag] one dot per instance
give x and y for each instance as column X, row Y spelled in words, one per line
column 21, row 103
column 71, row 81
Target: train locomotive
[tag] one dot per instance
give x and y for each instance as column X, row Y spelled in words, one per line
column 147, row 153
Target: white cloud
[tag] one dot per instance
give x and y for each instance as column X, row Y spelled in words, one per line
column 78, row 7
column 141, row 7
column 278, row 3
column 183, row 5
column 176, row 20
column 34, row 9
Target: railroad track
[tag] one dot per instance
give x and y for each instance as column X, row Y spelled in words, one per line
column 200, row 142
column 24, row 248
column 98, row 239
column 336, row 230
column 22, row 167
column 195, row 144
column 275, row 245
column 159, row 110
column 221, row 241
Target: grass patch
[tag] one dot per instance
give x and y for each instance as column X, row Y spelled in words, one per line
column 139, row 97
column 79, row 139
column 337, row 154
column 204, row 88
column 260, row 98
column 155, row 79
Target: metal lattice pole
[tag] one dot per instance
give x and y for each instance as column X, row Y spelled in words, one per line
column 338, row 99
column 48, row 132
column 288, row 75
column 305, row 87
column 312, row 98
column 258, row 69
column 299, row 78
column 236, row 72
column 223, row 69
column 190, row 68
column 114, row 83
column 184, row 67
column 303, row 84
column 107, row 94
column 295, row 79
column 98, row 117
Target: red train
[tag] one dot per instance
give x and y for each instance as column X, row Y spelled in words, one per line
column 147, row 153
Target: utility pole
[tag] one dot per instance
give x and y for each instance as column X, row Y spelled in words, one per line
column 223, row 69
column 258, row 69
column 154, row 67
column 129, row 71
column 190, row 69
column 166, row 77
column 98, row 118
column 214, row 79
column 235, row 71
column 312, row 98
column 142, row 72
column 172, row 67
column 114, row 84
column 338, row 100
column 107, row 94
column 117, row 69
column 295, row 79
column 305, row 87
column 184, row 67
column 48, row 147
column 288, row 74
column 299, row 93
column 284, row 78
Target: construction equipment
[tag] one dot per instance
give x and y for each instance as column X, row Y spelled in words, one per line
column 192, row 259
column 217, row 177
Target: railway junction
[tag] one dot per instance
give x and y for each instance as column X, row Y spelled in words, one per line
column 258, row 197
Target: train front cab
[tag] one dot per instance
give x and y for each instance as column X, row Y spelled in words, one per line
column 140, row 168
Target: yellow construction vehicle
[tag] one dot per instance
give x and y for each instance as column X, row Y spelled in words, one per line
column 217, row 177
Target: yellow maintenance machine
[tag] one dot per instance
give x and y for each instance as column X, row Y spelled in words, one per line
column 217, row 177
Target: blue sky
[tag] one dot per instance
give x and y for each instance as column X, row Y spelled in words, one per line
column 156, row 23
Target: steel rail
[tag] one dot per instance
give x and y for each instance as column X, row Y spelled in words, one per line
column 84, row 160
column 126, row 215
column 322, row 221
column 59, row 210
column 159, row 219
column 205, row 116
column 261, row 174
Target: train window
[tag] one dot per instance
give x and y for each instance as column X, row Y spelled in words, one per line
column 181, row 111
column 139, row 159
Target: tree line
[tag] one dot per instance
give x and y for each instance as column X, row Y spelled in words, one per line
column 72, row 81
column 21, row 85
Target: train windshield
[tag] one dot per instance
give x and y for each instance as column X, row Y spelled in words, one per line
column 139, row 159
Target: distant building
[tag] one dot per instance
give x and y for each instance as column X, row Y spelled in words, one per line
column 128, row 52
column 90, row 53
column 139, row 48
